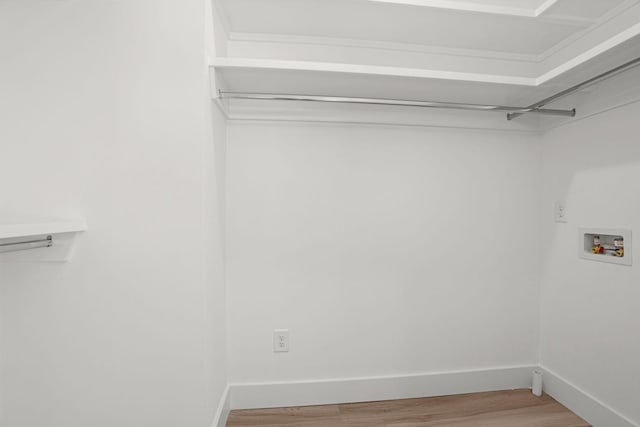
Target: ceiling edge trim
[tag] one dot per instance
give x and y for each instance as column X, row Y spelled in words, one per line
column 590, row 54
column 545, row 7
column 612, row 14
column 379, row 45
column 471, row 7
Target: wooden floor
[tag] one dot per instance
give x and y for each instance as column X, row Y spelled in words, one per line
column 516, row 408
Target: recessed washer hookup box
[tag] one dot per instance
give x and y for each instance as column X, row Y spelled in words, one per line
column 605, row 245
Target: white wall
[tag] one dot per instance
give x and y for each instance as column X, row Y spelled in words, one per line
column 590, row 310
column 215, row 170
column 214, row 262
column 385, row 250
column 104, row 117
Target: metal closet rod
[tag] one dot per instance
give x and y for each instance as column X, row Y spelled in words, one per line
column 512, row 112
column 29, row 244
column 585, row 84
column 394, row 102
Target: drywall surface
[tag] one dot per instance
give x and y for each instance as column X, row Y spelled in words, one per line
column 591, row 310
column 384, row 250
column 214, row 260
column 105, row 118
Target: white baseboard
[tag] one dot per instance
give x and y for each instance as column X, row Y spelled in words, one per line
column 224, row 406
column 582, row 403
column 303, row 393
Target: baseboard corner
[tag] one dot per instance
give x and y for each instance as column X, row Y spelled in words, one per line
column 224, row 407
column 586, row 406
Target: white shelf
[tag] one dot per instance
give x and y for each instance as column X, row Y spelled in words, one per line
column 64, row 234
column 10, row 231
column 374, row 70
column 368, row 81
column 371, row 81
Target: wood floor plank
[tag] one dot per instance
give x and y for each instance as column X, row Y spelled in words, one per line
column 303, row 416
column 493, row 409
column 443, row 407
column 547, row 416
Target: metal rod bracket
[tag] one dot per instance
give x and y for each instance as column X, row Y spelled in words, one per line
column 511, row 116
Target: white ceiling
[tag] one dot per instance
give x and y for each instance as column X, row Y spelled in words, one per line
column 521, row 4
column 439, row 23
column 431, row 27
column 529, row 8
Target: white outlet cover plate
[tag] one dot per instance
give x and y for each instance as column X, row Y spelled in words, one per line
column 561, row 212
column 281, row 340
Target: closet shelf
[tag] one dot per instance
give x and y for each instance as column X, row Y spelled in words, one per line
column 39, row 241
column 17, row 230
column 372, row 70
column 369, row 81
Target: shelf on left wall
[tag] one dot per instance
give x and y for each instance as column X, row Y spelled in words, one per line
column 47, row 241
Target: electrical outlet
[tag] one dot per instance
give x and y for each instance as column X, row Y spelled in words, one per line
column 280, row 340
column 561, row 212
